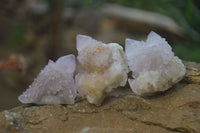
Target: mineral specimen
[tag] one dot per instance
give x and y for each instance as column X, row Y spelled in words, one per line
column 153, row 64
column 54, row 84
column 102, row 67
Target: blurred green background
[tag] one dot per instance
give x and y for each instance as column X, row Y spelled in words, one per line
column 39, row 30
column 186, row 13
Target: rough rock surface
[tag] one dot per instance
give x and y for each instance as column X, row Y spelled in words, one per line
column 176, row 110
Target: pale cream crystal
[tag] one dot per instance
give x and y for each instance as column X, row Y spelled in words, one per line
column 102, row 67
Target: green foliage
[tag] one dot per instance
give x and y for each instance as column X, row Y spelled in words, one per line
column 17, row 35
column 189, row 53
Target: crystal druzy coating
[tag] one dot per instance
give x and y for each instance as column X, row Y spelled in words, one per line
column 153, row 64
column 102, row 67
column 54, row 84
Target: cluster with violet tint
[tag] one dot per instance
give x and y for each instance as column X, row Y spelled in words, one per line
column 54, row 84
column 153, row 64
column 102, row 67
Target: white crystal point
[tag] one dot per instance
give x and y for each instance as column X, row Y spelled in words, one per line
column 102, row 68
column 155, row 39
column 153, row 64
column 54, row 84
column 83, row 41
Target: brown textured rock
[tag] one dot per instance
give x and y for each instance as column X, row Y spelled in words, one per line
column 176, row 110
column 192, row 73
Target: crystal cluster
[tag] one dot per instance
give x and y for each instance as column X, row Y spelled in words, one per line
column 102, row 67
column 54, row 84
column 153, row 64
